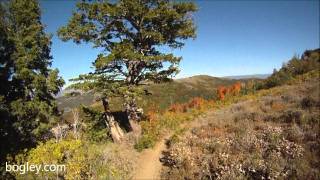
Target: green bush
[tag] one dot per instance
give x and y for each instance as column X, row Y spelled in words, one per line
column 296, row 66
column 146, row 141
column 95, row 129
column 83, row 160
column 69, row 153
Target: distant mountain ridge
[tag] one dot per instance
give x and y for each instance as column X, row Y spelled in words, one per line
column 179, row 90
column 252, row 76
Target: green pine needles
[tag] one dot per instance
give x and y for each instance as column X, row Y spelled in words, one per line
column 28, row 85
column 133, row 34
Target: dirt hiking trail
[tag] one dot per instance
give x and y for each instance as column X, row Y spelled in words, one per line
column 149, row 165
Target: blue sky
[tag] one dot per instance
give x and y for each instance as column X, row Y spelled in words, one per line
column 233, row 37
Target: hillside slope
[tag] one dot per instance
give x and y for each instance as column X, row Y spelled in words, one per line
column 273, row 134
column 162, row 95
column 256, row 76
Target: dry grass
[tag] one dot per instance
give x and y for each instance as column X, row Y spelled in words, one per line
column 273, row 134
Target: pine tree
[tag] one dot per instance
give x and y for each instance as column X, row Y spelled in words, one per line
column 132, row 34
column 30, row 84
column 104, row 87
column 6, row 49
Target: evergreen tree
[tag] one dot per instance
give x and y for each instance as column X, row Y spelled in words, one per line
column 104, row 87
column 132, row 34
column 6, row 49
column 27, row 99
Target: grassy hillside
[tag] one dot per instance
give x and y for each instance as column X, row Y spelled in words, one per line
column 162, row 95
column 269, row 135
column 256, row 76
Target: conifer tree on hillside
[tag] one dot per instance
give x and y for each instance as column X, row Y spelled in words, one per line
column 28, row 85
column 104, row 87
column 132, row 34
column 6, row 47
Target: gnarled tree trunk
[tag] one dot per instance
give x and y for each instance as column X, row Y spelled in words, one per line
column 115, row 130
column 134, row 114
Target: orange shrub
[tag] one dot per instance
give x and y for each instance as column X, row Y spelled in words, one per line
column 177, row 108
column 235, row 89
column 196, row 102
column 152, row 116
column 222, row 91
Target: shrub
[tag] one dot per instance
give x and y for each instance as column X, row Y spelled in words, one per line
column 83, row 160
column 236, row 88
column 251, row 155
column 294, row 133
column 95, row 129
column 309, row 61
column 233, row 90
column 152, row 116
column 170, row 119
column 196, row 102
column 277, row 78
column 146, row 141
column 65, row 152
column 292, row 117
column 178, row 108
column 308, row 102
column 222, row 91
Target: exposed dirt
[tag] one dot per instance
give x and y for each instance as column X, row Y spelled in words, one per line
column 149, row 165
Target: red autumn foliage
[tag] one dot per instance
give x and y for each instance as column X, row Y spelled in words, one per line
column 222, row 91
column 152, row 116
column 152, row 113
column 196, row 102
column 234, row 90
column 178, row 108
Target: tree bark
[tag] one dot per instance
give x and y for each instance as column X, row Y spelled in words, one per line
column 115, row 130
column 134, row 114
